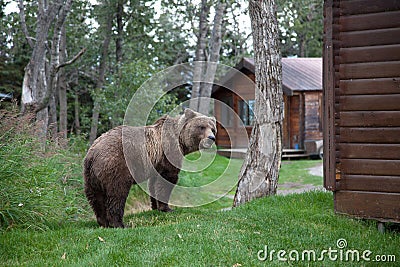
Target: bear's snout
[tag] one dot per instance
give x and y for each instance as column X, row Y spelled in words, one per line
column 207, row 142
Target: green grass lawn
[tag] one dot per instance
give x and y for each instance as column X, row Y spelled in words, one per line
column 45, row 219
column 296, row 171
column 201, row 237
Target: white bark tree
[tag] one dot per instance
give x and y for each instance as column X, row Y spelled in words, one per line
column 40, row 77
column 204, row 74
column 259, row 173
column 214, row 51
column 200, row 55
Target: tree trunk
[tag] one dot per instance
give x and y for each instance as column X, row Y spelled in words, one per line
column 76, row 115
column 302, row 46
column 52, row 127
column 100, row 80
column 120, row 33
column 259, row 173
column 200, row 56
column 215, row 47
column 41, row 72
column 62, row 87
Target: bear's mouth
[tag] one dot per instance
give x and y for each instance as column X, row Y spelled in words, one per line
column 206, row 143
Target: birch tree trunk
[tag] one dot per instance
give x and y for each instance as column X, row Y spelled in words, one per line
column 215, row 47
column 35, row 84
column 259, row 173
column 200, row 56
column 40, row 78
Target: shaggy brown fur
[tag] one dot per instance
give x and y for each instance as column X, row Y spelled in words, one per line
column 128, row 155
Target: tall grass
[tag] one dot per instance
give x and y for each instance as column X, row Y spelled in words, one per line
column 37, row 188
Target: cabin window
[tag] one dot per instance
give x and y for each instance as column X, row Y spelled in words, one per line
column 246, row 112
column 226, row 111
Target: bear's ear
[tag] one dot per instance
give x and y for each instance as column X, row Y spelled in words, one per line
column 189, row 114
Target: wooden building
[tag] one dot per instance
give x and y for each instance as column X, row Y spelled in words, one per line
column 362, row 107
column 302, row 87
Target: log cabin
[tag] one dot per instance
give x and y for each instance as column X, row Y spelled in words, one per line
column 302, row 124
column 361, row 65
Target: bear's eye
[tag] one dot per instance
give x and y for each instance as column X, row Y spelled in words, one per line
column 202, row 128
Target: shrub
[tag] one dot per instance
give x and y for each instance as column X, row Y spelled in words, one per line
column 37, row 188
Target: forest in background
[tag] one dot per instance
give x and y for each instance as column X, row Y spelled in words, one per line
column 119, row 44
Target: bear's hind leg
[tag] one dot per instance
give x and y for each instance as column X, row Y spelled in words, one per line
column 115, row 211
column 97, row 202
column 115, row 204
column 99, row 208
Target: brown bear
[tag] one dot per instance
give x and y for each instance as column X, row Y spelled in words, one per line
column 128, row 155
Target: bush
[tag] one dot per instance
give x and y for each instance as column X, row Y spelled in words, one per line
column 37, row 188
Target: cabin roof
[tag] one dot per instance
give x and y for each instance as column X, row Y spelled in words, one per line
column 298, row 74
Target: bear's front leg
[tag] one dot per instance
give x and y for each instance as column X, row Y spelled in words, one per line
column 153, row 199
column 162, row 187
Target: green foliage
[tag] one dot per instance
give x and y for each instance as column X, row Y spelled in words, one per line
column 14, row 52
column 122, row 87
column 301, row 27
column 37, row 189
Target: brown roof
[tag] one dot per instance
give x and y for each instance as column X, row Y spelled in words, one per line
column 298, row 74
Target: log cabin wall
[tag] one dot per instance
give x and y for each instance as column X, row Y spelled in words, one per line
column 302, row 102
column 232, row 135
column 362, row 107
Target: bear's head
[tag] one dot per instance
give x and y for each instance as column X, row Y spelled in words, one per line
column 197, row 131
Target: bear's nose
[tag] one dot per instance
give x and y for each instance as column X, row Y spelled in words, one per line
column 212, row 137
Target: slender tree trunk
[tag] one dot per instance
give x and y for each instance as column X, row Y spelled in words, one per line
column 215, row 47
column 100, row 80
column 303, row 46
column 62, row 87
column 200, row 56
column 76, row 115
column 120, row 33
column 53, row 127
column 259, row 173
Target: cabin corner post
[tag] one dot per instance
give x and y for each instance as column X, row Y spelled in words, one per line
column 329, row 99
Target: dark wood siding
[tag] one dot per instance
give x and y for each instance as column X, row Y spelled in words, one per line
column 362, row 107
column 234, row 135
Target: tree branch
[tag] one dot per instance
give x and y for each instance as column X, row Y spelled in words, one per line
column 23, row 23
column 72, row 60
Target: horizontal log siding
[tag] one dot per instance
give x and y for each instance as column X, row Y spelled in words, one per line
column 366, row 73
